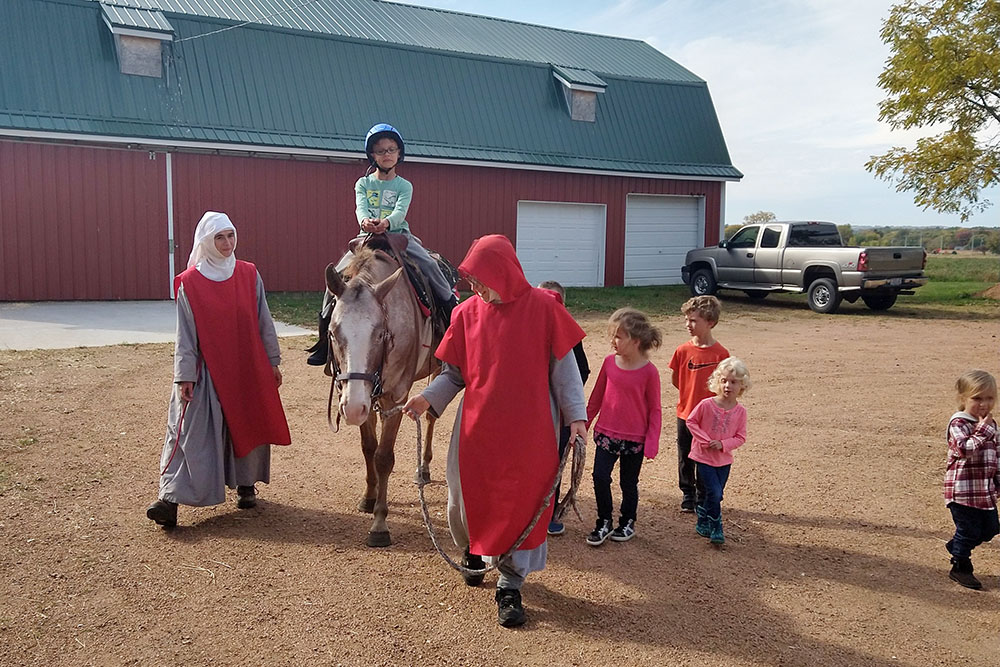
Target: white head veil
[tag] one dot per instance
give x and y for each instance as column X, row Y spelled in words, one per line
column 209, row 261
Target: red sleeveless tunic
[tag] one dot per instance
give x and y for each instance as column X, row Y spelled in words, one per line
column 508, row 453
column 225, row 316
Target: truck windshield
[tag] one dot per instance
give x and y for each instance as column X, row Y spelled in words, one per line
column 811, row 236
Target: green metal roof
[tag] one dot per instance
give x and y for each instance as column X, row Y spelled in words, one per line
column 138, row 19
column 282, row 89
column 425, row 27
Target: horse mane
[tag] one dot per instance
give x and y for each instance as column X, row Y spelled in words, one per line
column 362, row 265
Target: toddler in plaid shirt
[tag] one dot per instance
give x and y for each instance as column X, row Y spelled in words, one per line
column 971, row 480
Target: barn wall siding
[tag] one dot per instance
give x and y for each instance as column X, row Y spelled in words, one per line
column 81, row 223
column 293, row 217
column 90, row 223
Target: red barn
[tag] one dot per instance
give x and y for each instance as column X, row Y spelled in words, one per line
column 601, row 158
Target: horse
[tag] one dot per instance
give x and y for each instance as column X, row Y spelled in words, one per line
column 380, row 344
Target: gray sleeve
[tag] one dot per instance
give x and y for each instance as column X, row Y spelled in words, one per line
column 266, row 325
column 567, row 387
column 442, row 389
column 186, row 347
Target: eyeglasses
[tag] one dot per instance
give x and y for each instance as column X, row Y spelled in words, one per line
column 387, row 151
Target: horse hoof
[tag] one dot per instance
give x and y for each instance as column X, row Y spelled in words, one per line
column 422, row 476
column 366, row 505
column 379, row 538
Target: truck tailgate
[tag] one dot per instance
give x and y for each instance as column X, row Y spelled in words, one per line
column 894, row 260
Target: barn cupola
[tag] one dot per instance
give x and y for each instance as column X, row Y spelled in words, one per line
column 580, row 89
column 139, row 37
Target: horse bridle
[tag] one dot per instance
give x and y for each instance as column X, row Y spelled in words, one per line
column 375, row 378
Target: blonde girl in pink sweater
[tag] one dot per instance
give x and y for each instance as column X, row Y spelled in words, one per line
column 718, row 426
column 627, row 397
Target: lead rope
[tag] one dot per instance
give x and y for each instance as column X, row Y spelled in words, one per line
column 568, row 500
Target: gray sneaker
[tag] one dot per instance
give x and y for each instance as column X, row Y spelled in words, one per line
column 624, row 532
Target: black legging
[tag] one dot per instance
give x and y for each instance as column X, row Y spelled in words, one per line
column 628, row 479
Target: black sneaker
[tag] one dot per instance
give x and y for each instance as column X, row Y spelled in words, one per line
column 961, row 572
column 687, row 505
column 600, row 533
column 624, row 532
column 473, row 562
column 246, row 497
column 163, row 512
column 510, row 612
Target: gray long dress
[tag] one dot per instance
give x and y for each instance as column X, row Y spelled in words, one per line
column 198, row 466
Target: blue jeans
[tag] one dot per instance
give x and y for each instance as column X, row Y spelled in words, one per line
column 972, row 527
column 714, row 480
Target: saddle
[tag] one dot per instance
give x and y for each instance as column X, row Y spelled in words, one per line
column 395, row 245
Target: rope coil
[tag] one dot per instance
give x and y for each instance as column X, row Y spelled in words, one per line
column 568, row 500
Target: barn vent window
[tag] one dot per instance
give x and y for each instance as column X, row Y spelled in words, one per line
column 580, row 89
column 139, row 37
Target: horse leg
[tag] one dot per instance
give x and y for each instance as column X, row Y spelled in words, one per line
column 423, row 474
column 385, row 459
column 369, row 443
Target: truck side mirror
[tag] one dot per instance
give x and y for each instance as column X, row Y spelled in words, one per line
column 723, row 243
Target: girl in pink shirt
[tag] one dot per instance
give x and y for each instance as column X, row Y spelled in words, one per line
column 627, row 396
column 718, row 425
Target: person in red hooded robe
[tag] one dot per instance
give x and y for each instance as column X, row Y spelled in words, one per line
column 511, row 350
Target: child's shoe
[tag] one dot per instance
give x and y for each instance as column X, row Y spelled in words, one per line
column 716, row 536
column 556, row 528
column 624, row 532
column 687, row 504
column 961, row 571
column 704, row 525
column 600, row 533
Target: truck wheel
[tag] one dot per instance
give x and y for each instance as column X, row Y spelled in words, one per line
column 702, row 282
column 823, row 295
column 879, row 300
column 757, row 294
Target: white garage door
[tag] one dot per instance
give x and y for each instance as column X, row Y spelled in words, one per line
column 562, row 242
column 659, row 230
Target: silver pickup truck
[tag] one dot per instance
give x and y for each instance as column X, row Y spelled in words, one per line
column 805, row 257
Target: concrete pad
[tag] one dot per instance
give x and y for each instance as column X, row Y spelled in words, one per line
column 64, row 324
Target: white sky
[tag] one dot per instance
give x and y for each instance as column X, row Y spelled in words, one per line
column 795, row 85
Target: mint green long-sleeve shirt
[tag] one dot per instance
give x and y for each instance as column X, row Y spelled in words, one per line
column 387, row 200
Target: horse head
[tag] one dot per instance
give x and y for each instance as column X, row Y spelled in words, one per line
column 360, row 338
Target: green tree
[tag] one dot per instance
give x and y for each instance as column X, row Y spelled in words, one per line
column 846, row 234
column 759, row 218
column 944, row 69
column 730, row 230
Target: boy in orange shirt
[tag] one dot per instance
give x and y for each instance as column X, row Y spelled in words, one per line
column 691, row 367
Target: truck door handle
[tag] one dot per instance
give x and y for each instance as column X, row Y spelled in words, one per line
column 749, row 254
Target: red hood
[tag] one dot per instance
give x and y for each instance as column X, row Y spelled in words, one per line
column 492, row 261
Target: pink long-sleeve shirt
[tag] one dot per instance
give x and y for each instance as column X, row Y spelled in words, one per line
column 709, row 422
column 629, row 404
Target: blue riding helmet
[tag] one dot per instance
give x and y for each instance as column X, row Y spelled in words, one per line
column 383, row 131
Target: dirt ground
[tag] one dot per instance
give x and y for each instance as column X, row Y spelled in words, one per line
column 835, row 525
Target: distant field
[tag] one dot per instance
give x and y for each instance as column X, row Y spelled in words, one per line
column 964, row 268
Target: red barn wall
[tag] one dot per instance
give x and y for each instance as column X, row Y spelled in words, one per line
column 296, row 216
column 91, row 223
column 81, row 223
